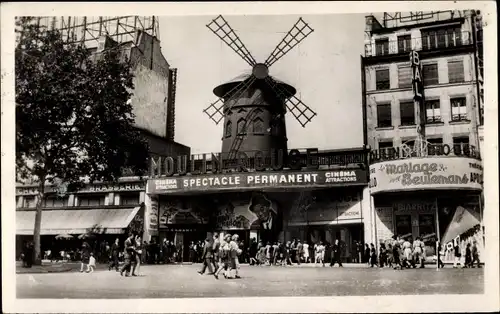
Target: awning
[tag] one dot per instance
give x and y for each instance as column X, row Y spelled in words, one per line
column 76, row 221
column 462, row 221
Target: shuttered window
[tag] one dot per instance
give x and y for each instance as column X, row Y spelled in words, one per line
column 456, row 71
column 430, row 73
column 404, row 76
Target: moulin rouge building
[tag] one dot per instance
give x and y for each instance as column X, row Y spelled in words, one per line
column 256, row 186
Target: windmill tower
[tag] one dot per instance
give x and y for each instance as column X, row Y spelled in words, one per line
column 253, row 106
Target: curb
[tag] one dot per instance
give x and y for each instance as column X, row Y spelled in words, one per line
column 45, row 271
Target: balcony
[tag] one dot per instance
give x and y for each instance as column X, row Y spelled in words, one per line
column 431, row 42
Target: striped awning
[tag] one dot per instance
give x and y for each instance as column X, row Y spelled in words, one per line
column 76, row 221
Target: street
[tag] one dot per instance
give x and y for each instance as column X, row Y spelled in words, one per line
column 182, row 281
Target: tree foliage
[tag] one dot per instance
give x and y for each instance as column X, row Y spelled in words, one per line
column 73, row 114
column 74, row 119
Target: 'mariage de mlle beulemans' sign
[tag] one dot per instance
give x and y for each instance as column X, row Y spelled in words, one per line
column 257, row 180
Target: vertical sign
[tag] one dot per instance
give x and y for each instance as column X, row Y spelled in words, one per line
column 418, row 97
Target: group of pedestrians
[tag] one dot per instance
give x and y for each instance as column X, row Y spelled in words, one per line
column 290, row 252
column 221, row 256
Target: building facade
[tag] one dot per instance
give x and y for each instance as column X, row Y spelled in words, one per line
column 422, row 104
column 102, row 209
column 320, row 198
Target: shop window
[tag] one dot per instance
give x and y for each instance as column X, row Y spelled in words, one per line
column 382, row 46
column 241, row 126
column 403, row 225
column 229, row 128
column 456, row 71
column 458, row 109
column 129, row 199
column 92, row 200
column 55, row 201
column 404, row 43
column 432, row 111
column 384, row 118
column 404, row 76
column 29, row 201
column 430, row 73
column 382, row 79
column 17, row 200
column 258, row 126
column 407, row 110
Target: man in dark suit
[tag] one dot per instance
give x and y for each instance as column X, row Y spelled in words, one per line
column 336, row 252
column 207, row 257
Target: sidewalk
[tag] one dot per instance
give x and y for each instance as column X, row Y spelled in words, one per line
column 56, row 267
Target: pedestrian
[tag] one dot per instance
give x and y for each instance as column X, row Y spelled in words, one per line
column 367, row 255
column 252, row 251
column 300, row 252
column 373, row 255
column 382, row 256
column 128, row 253
column 396, row 253
column 138, row 256
column 458, row 255
column 91, row 264
column 234, row 252
column 85, row 256
column 207, row 256
column 408, row 255
column 306, row 252
column 418, row 252
column 115, row 252
column 215, row 251
column 390, row 255
column 224, row 253
column 320, row 254
column 475, row 255
column 336, row 254
column 468, row 256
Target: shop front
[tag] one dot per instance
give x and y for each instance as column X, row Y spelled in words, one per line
column 327, row 215
column 436, row 199
column 254, row 205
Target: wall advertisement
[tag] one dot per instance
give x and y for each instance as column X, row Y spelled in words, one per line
column 426, row 173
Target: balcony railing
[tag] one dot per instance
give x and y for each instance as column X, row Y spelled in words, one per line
column 423, row 43
column 433, row 150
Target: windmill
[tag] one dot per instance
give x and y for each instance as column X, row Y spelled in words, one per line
column 253, row 106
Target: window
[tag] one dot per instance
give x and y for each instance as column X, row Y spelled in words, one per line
column 384, row 119
column 461, row 145
column 129, row 199
column 456, row 71
column 382, row 47
column 29, row 201
column 407, row 110
column 17, row 201
column 55, row 201
column 458, row 109
column 229, row 128
column 435, row 146
column 92, row 200
column 430, row 73
column 404, row 43
column 404, row 77
column 241, row 126
column 432, row 111
column 258, row 125
column 382, row 79
column 441, row 38
column 385, row 148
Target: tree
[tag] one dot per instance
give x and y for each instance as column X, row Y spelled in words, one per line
column 74, row 120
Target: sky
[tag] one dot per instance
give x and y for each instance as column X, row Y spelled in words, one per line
column 324, row 68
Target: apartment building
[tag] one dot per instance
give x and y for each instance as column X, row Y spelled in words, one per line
column 423, row 112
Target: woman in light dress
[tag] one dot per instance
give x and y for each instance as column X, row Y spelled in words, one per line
column 305, row 253
column 408, row 258
column 138, row 256
column 320, row 254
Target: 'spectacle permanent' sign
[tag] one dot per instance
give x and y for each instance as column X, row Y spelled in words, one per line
column 257, row 180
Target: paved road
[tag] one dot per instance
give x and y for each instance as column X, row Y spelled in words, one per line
column 167, row 281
